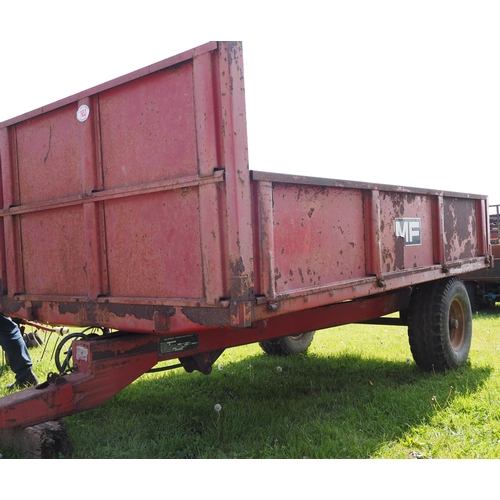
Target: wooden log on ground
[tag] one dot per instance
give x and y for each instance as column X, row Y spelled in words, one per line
column 46, row 440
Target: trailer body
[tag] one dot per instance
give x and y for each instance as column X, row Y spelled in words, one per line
column 484, row 285
column 131, row 206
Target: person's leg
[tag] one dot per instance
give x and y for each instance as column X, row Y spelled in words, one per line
column 15, row 348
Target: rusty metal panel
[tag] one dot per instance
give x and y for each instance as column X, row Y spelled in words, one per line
column 321, row 241
column 153, row 244
column 461, row 228
column 318, row 236
column 53, row 241
column 132, row 206
column 405, row 211
column 47, row 155
column 128, row 205
column 148, row 128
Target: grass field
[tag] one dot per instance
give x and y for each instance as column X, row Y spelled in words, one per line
column 356, row 393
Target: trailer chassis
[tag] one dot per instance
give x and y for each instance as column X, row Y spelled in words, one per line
column 104, row 365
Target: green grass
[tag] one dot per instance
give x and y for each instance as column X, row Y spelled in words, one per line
column 355, row 394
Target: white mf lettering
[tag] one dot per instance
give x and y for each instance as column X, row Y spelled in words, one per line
column 409, row 229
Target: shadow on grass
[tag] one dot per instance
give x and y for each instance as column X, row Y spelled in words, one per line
column 294, row 407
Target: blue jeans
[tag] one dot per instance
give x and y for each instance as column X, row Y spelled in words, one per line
column 15, row 348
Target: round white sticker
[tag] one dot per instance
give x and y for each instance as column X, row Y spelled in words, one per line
column 83, row 113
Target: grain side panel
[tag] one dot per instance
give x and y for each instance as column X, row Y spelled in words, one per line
column 153, row 244
column 148, row 129
column 395, row 254
column 318, row 236
column 54, row 253
column 461, row 228
column 48, row 156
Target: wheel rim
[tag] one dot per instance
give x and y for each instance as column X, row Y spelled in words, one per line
column 457, row 325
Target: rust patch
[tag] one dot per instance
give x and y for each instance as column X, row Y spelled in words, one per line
column 161, row 321
column 69, row 307
column 399, row 262
column 387, row 259
column 238, row 268
column 139, row 311
column 301, row 275
column 460, row 229
column 398, row 206
column 207, row 316
column 277, row 274
column 240, row 291
column 126, row 345
column 12, row 306
column 92, row 311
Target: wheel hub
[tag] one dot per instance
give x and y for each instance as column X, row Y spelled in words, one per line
column 457, row 325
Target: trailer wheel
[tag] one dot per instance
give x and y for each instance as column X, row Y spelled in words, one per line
column 440, row 325
column 291, row 344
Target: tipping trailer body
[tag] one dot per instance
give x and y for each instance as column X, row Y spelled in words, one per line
column 131, row 206
column 485, row 283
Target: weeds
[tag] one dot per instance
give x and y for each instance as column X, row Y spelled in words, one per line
column 435, row 403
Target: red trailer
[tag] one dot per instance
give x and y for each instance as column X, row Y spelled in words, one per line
column 131, row 207
column 484, row 285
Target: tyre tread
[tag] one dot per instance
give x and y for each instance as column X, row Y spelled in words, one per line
column 284, row 346
column 428, row 329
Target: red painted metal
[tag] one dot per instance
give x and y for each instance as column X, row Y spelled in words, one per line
column 143, row 217
column 321, row 240
column 131, row 206
column 104, row 369
column 106, row 365
column 487, row 281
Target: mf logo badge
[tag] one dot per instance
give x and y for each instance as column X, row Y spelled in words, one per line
column 409, row 229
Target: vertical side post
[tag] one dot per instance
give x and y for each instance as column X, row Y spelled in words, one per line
column 372, row 231
column 438, row 231
column 12, row 264
column 205, row 83
column 92, row 211
column 238, row 193
column 264, row 195
column 483, row 227
column 5, row 163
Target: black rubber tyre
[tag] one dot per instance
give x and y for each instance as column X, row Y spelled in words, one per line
column 440, row 325
column 292, row 344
